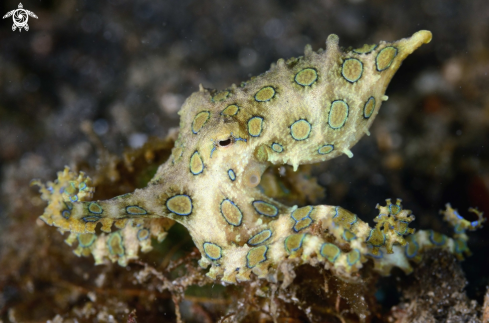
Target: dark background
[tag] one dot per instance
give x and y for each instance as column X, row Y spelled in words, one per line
column 128, row 66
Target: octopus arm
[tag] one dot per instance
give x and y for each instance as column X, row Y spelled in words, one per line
column 126, row 226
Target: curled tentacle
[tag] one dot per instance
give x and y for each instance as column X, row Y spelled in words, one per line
column 335, row 238
column 126, row 226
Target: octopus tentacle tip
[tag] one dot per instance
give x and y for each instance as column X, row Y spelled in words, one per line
column 422, row 37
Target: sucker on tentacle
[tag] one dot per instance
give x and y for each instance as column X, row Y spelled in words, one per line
column 303, row 110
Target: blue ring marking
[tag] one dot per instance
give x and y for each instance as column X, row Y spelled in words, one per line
column 269, row 86
column 86, row 245
column 91, row 218
column 230, row 115
column 225, row 92
column 354, row 236
column 348, row 258
column 355, row 220
column 324, row 146
column 66, row 214
column 379, row 256
column 352, row 223
column 121, row 244
column 303, row 70
column 137, row 207
column 193, row 121
column 370, row 235
column 343, row 65
column 213, row 244
column 376, row 58
column 140, row 232
column 346, row 117
column 458, row 215
column 308, row 134
column 121, row 197
column 305, row 216
column 262, row 241
column 416, row 249
column 72, row 184
column 278, row 148
column 397, row 206
column 190, row 163
column 225, row 218
column 336, row 212
column 371, row 50
column 73, row 198
column 405, row 230
column 261, row 126
column 69, row 205
column 459, row 229
column 232, row 175
column 303, row 219
column 459, row 249
column 257, row 202
column 82, row 186
column 433, row 241
column 238, row 138
column 264, row 257
column 321, row 251
column 365, row 107
column 89, row 205
column 181, row 214
column 290, row 251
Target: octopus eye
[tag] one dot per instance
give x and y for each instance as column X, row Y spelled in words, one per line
column 225, row 143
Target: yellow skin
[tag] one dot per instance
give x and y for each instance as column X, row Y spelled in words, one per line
column 304, row 110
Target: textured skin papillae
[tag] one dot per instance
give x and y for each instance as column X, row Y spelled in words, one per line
column 304, row 110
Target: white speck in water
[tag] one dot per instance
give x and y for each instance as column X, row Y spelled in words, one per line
column 137, row 140
column 274, row 28
column 281, row 171
column 247, row 57
column 100, row 126
column 171, row 103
